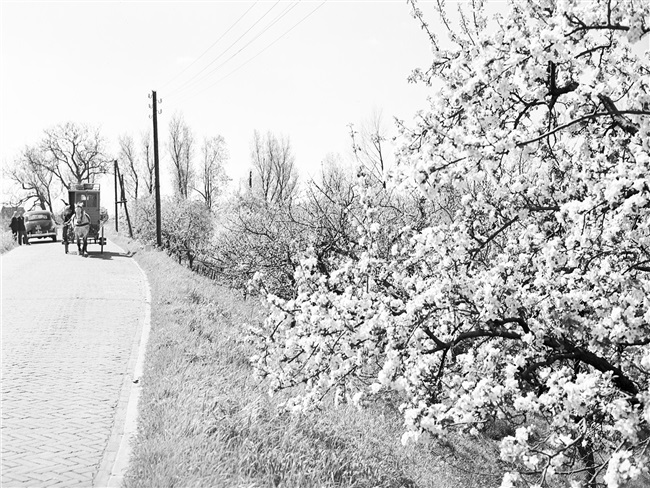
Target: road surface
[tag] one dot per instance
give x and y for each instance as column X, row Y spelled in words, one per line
column 71, row 327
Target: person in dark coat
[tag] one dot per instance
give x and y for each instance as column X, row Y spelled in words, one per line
column 68, row 213
column 22, row 232
column 14, row 225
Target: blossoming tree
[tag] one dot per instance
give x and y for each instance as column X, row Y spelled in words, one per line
column 528, row 301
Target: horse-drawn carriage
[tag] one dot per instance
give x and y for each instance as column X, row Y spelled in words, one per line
column 89, row 218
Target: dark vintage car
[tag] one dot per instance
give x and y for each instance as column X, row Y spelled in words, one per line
column 39, row 224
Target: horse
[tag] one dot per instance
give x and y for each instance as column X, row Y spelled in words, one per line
column 81, row 222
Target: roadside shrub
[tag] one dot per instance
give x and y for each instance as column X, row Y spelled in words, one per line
column 256, row 238
column 186, row 226
column 143, row 220
column 7, row 241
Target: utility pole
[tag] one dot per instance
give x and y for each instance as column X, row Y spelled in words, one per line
column 126, row 209
column 156, row 166
column 116, row 202
column 120, row 177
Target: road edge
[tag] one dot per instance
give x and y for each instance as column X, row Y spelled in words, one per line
column 115, row 460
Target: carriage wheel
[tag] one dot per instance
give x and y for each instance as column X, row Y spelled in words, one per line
column 101, row 241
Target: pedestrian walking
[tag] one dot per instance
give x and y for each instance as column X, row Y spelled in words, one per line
column 68, row 213
column 14, row 226
column 22, row 232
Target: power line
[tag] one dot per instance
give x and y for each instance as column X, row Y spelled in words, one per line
column 211, row 46
column 273, row 22
column 188, row 97
column 224, row 51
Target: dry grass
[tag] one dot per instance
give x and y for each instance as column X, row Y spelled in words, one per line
column 206, row 421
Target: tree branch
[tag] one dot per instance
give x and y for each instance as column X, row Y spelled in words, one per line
column 582, row 119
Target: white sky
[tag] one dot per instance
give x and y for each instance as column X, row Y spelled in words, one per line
column 96, row 62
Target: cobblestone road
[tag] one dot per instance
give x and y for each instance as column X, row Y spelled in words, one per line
column 69, row 325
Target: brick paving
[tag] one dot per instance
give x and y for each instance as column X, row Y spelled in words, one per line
column 69, row 325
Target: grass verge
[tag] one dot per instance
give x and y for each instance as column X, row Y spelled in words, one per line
column 206, row 421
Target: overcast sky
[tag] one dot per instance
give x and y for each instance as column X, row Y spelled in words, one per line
column 319, row 67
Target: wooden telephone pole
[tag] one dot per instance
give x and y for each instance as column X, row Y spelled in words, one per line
column 119, row 177
column 156, row 167
column 116, row 201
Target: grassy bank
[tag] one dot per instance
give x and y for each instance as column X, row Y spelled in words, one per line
column 205, row 420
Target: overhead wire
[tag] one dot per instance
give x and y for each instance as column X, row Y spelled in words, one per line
column 211, row 45
column 188, row 97
column 223, row 52
column 271, row 24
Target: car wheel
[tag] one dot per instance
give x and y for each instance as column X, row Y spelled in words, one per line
column 53, row 238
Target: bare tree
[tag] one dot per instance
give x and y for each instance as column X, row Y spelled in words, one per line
column 274, row 167
column 131, row 165
column 75, row 153
column 181, row 149
column 32, row 174
column 146, row 151
column 213, row 175
column 368, row 146
column 333, row 170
